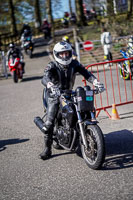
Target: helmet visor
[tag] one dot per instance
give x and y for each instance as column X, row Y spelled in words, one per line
column 64, row 55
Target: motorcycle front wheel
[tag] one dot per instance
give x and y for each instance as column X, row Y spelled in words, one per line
column 15, row 76
column 125, row 75
column 94, row 154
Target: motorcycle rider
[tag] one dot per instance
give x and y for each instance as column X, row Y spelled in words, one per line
column 25, row 32
column 15, row 52
column 46, row 28
column 26, row 27
column 65, row 20
column 60, row 74
column 73, row 19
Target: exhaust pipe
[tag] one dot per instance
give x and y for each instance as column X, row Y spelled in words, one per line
column 39, row 123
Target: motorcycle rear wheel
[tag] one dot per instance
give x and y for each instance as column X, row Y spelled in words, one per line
column 15, row 76
column 94, row 155
column 29, row 52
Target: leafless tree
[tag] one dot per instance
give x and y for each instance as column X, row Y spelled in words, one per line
column 12, row 14
column 37, row 13
column 110, row 8
column 70, row 7
column 50, row 16
column 130, row 8
column 80, row 13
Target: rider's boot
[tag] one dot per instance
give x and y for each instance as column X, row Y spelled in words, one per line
column 47, row 152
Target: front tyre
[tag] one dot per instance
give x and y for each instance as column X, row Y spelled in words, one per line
column 15, row 76
column 94, row 154
column 123, row 72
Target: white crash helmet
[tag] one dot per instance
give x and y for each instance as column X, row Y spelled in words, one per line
column 11, row 45
column 61, row 47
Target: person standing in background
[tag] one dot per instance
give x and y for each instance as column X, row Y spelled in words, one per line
column 106, row 41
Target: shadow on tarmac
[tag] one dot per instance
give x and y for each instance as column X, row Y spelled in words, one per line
column 41, row 42
column 4, row 143
column 61, row 154
column 32, row 78
column 119, row 150
column 39, row 54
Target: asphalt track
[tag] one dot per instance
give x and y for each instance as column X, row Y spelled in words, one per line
column 23, row 176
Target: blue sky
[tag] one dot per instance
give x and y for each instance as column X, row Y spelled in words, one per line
column 64, row 8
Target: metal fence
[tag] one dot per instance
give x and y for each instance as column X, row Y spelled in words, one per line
column 118, row 91
column 3, row 67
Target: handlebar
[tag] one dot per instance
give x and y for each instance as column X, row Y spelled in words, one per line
column 73, row 93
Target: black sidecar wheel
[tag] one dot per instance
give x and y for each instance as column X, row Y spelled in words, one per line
column 94, row 154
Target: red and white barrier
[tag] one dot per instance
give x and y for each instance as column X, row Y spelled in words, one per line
column 118, row 91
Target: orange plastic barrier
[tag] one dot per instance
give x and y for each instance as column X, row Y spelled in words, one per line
column 118, row 91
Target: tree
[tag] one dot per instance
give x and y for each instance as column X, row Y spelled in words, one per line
column 70, row 7
column 37, row 14
column 80, row 13
column 110, row 8
column 50, row 17
column 130, row 9
column 12, row 14
column 110, row 12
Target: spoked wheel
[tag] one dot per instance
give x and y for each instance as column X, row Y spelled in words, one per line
column 94, row 154
column 123, row 72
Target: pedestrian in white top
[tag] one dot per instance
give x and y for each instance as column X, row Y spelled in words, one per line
column 106, row 41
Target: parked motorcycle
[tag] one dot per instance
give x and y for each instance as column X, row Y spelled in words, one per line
column 73, row 128
column 16, row 69
column 126, row 67
column 28, row 46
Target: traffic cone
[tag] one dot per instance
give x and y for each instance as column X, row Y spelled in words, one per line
column 115, row 115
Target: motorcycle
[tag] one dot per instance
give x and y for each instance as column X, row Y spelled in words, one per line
column 28, row 46
column 126, row 68
column 73, row 128
column 16, row 69
column 47, row 32
column 65, row 23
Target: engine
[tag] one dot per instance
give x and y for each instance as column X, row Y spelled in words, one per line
column 63, row 133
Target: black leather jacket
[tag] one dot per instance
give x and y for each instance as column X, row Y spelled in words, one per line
column 15, row 53
column 64, row 79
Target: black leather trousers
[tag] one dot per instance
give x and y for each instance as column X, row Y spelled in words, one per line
column 52, row 110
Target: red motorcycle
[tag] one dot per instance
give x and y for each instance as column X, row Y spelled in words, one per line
column 16, row 69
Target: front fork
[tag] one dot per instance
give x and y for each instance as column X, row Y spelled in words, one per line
column 81, row 126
